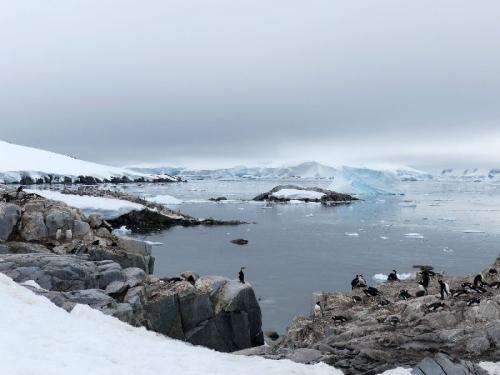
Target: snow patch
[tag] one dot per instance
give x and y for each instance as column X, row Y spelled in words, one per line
column 109, row 208
column 86, row 341
column 296, row 194
column 32, row 283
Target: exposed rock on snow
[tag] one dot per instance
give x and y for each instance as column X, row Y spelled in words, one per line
column 27, row 165
column 287, row 193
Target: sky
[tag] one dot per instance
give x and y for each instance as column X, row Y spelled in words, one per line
column 233, row 81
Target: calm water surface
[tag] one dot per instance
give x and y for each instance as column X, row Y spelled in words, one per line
column 296, row 249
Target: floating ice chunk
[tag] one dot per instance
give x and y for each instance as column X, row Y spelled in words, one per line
column 164, row 199
column 472, row 231
column 353, row 234
column 153, row 243
column 447, row 250
column 309, row 215
column 384, row 237
column 122, row 231
column 414, row 235
column 449, row 218
column 380, row 277
column 407, row 204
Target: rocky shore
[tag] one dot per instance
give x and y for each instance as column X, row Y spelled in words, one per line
column 153, row 217
column 362, row 334
column 57, row 252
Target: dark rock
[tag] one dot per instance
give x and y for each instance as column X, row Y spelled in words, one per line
column 329, row 197
column 9, row 216
column 218, row 199
column 239, row 241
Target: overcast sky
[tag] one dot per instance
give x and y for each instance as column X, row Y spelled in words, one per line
column 196, row 82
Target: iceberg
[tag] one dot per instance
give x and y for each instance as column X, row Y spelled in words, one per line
column 164, row 199
column 365, row 181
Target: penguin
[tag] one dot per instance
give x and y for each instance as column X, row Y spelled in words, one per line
column 355, row 282
column 362, row 281
column 478, row 281
column 459, row 292
column 479, row 289
column 317, row 310
column 339, row 318
column 473, row 301
column 371, row 291
column 444, row 288
column 393, row 320
column 241, row 275
column 95, row 243
column 404, row 294
column 19, row 190
column 383, row 302
column 171, row 279
column 492, row 271
column 356, row 299
column 69, row 234
column 393, row 276
column 58, row 234
column 425, row 279
column 435, row 306
column 467, row 286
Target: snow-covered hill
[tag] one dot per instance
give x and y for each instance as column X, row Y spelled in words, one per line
column 21, row 163
column 40, row 338
column 471, row 174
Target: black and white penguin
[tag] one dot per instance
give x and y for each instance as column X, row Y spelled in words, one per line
column 404, row 294
column 478, row 281
column 435, row 306
column 356, row 299
column 473, row 301
column 383, row 302
column 355, row 282
column 425, row 279
column 19, row 190
column 241, row 275
column 317, row 310
column 492, row 271
column 371, row 291
column 393, row 320
column 393, row 276
column 459, row 292
column 339, row 318
column 362, row 281
column 444, row 288
column 479, row 289
column 358, row 282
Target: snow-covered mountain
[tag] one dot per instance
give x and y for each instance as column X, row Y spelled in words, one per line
column 471, row 174
column 28, row 165
column 308, row 170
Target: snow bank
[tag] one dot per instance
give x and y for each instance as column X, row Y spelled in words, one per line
column 365, row 181
column 164, row 199
column 40, row 338
column 108, row 208
column 297, row 194
column 16, row 161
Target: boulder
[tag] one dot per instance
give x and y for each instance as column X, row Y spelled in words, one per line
column 80, row 228
column 134, row 246
column 9, row 216
column 441, row 364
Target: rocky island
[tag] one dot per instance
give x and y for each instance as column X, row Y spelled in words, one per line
column 287, row 193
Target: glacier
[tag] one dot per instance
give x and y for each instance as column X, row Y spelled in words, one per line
column 366, row 181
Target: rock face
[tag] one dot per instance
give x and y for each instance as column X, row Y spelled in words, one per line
column 372, row 334
column 328, row 197
column 74, row 259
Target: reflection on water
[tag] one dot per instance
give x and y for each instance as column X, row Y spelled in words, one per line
column 296, row 249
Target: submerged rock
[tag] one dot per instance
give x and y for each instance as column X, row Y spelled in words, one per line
column 239, row 241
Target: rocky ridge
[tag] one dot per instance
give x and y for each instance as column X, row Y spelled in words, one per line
column 58, row 252
column 328, row 197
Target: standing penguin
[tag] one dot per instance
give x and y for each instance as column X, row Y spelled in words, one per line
column 478, row 281
column 393, row 276
column 425, row 279
column 19, row 189
column 317, row 310
column 241, row 275
column 444, row 288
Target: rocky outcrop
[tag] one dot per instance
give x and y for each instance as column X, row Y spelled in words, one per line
column 369, row 335
column 328, row 197
column 70, row 259
column 153, row 217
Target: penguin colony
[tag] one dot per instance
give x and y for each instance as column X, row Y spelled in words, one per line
column 469, row 292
